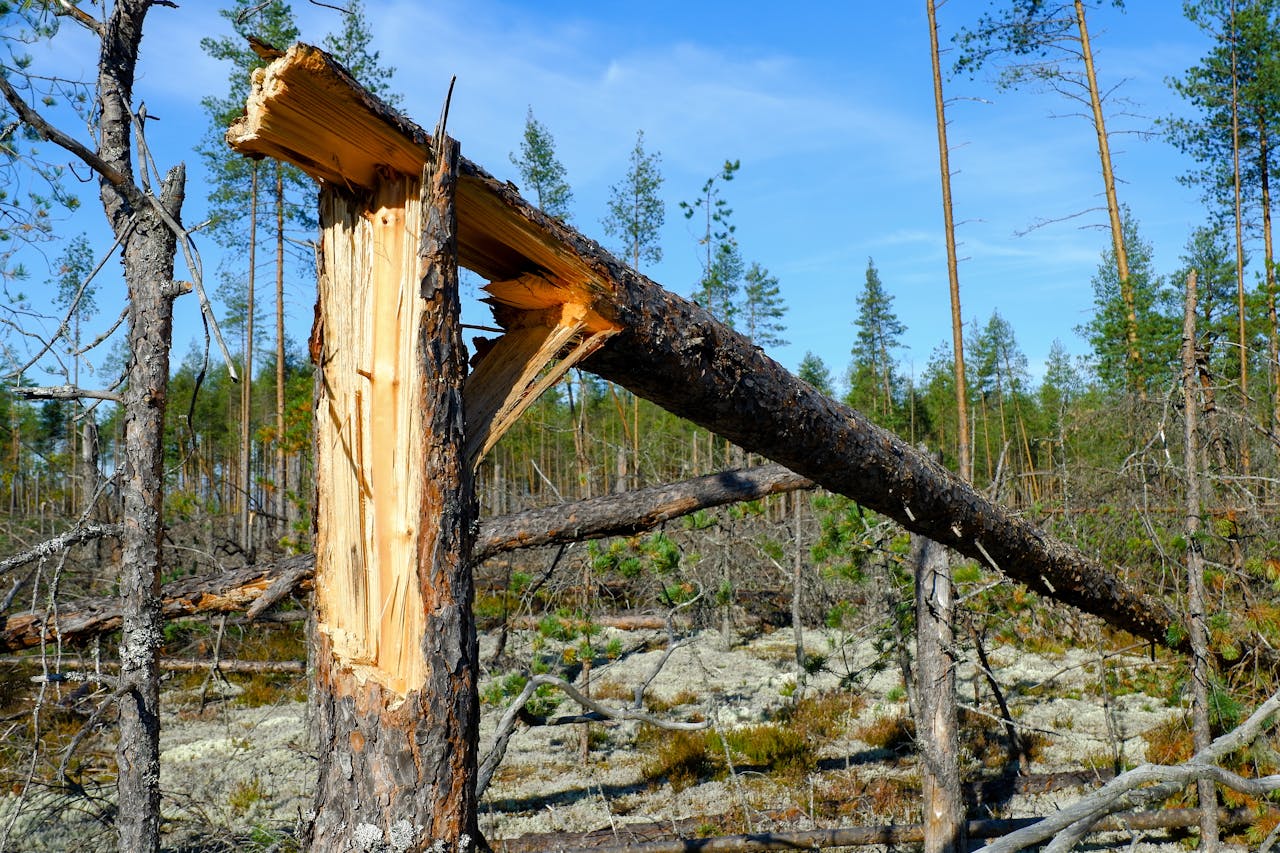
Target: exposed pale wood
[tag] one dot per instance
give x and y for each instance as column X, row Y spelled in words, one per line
column 368, row 424
column 523, row 364
column 935, row 711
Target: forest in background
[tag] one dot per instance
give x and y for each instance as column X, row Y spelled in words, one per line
column 1093, row 450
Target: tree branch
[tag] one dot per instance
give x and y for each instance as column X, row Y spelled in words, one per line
column 1123, row 792
column 63, row 392
column 49, row 133
column 75, row 536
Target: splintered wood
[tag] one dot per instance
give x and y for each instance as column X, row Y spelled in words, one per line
column 369, row 433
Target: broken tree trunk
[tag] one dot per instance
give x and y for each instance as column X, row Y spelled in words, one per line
column 547, row 281
column 255, row 588
column 396, row 657
column 937, row 726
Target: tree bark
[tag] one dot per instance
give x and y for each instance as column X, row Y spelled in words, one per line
column 1113, row 205
column 1195, row 571
column 246, row 389
column 953, row 269
column 148, row 255
column 936, row 724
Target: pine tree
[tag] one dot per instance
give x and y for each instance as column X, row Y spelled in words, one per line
column 541, row 170
column 998, row 368
column 636, row 211
column 762, row 308
column 814, row 371
column 1235, row 92
column 1156, row 332
column 1047, row 44
column 717, row 289
column 350, row 46
column 1061, row 385
column 872, row 377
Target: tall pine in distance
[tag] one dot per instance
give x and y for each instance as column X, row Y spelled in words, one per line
column 722, row 266
column 872, row 378
column 636, row 210
column 235, row 201
column 762, row 308
column 814, row 371
column 541, row 171
column 351, row 46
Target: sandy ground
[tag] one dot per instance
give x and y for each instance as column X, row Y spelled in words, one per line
column 242, row 776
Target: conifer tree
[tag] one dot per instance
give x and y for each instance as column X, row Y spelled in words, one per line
column 717, row 289
column 541, row 170
column 1156, row 332
column 351, row 46
column 814, row 371
column 1235, row 93
column 872, row 379
column 762, row 308
column 636, row 211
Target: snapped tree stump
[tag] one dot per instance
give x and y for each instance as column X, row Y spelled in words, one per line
column 562, row 301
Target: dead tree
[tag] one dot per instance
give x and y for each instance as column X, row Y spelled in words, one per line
column 1199, row 636
column 146, row 224
column 937, row 728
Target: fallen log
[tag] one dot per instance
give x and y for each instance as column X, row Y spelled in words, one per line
column 624, row 839
column 565, row 301
column 254, row 588
column 250, row 667
column 77, row 621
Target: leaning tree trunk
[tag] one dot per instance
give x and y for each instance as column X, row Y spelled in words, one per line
column 953, row 268
column 397, row 660
column 1113, row 207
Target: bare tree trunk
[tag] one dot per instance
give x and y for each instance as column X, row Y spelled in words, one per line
column 397, row 662
column 1242, row 338
column 953, row 270
column 937, row 728
column 282, row 469
column 1195, row 574
column 246, row 388
column 1113, row 206
column 1269, row 261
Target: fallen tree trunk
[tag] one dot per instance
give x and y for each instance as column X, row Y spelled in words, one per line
column 78, row 621
column 555, row 291
column 255, row 588
column 623, row 840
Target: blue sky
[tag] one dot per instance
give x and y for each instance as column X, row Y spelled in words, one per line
column 829, row 108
